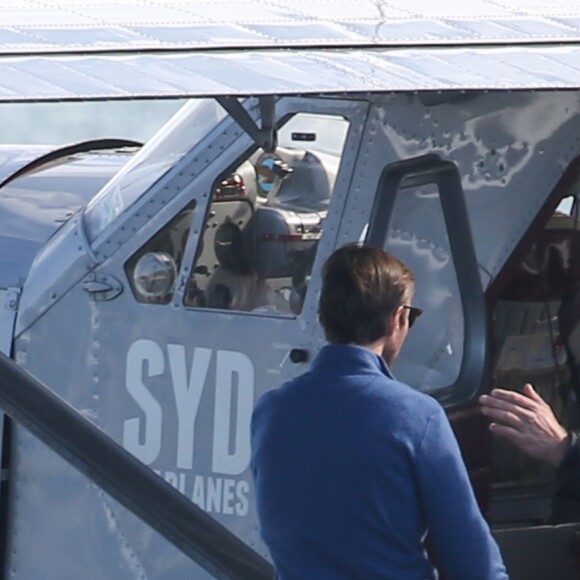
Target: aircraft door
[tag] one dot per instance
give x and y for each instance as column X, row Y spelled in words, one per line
column 463, row 281
column 420, row 215
column 218, row 308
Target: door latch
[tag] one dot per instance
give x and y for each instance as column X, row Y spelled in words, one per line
column 102, row 287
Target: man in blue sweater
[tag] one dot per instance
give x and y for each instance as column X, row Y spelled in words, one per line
column 352, row 468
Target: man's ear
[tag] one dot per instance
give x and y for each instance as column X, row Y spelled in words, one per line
column 397, row 319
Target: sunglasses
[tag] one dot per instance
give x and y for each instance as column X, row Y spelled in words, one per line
column 414, row 313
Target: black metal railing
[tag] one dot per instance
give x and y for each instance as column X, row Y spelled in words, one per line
column 125, row 478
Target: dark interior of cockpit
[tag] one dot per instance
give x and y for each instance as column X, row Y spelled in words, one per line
column 262, row 231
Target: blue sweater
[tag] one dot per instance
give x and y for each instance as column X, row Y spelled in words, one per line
column 351, row 469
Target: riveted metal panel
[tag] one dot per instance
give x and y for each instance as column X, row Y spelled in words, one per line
column 301, row 71
column 138, row 25
column 511, row 148
column 34, row 206
column 49, row 498
column 178, row 179
column 88, row 365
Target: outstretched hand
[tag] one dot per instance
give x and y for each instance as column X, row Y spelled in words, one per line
column 528, row 422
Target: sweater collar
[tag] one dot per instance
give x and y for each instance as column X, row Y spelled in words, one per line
column 344, row 356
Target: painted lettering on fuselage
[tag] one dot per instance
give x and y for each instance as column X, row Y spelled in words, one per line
column 143, row 433
column 220, row 495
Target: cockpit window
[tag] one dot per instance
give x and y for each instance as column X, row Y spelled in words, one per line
column 432, row 357
column 152, row 270
column 187, row 127
column 266, row 219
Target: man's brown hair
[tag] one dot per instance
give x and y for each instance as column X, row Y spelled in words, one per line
column 361, row 287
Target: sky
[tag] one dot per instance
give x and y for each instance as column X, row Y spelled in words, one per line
column 65, row 123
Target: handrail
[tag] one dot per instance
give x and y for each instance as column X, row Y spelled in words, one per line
column 67, row 151
column 125, row 478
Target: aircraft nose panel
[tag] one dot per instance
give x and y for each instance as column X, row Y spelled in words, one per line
column 35, row 205
column 12, row 159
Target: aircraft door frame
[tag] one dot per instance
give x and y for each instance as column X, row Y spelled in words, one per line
column 355, row 112
column 458, row 397
column 377, row 181
column 165, row 353
column 9, row 307
column 431, row 169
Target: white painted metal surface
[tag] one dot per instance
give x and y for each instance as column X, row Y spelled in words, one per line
column 284, row 72
column 97, row 25
column 123, row 49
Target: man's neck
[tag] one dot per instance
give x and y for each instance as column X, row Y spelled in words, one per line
column 377, row 347
column 381, row 348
